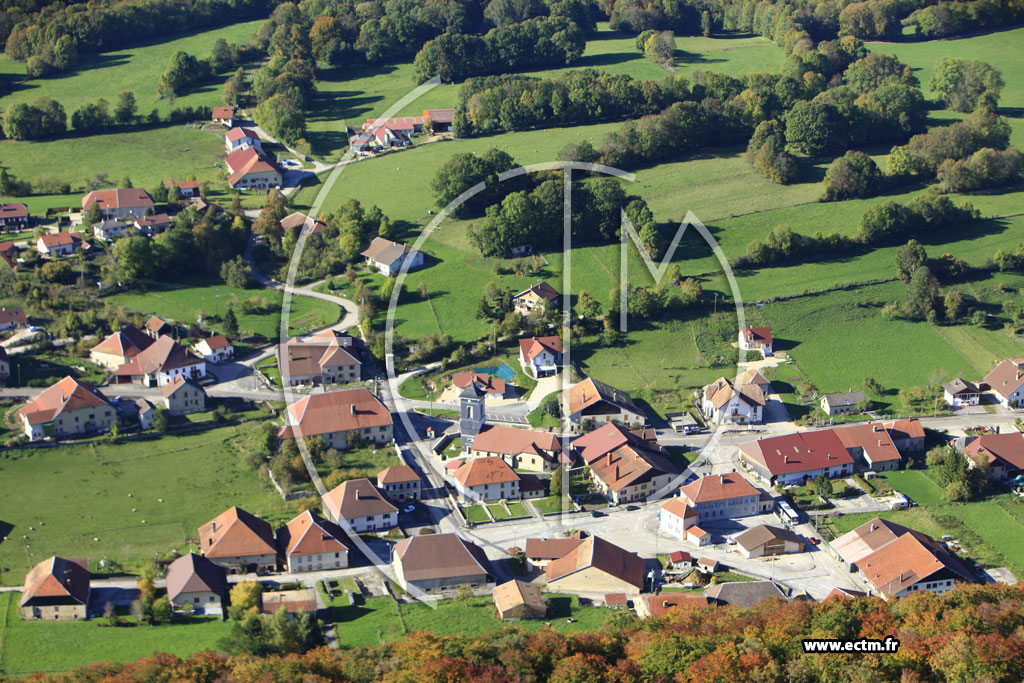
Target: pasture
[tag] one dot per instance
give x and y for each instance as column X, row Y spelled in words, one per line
column 29, row 646
column 196, row 297
column 131, row 500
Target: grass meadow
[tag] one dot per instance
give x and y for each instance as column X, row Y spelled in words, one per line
column 186, row 301
column 29, row 646
column 116, row 513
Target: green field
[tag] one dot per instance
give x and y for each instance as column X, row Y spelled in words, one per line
column 29, row 646
column 377, row 620
column 136, row 69
column 115, row 512
column 185, row 301
column 916, row 485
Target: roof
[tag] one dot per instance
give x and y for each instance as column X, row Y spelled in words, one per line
column 357, row 498
column 838, row 592
column 154, row 221
column 706, row 561
column 396, row 122
column 489, row 384
column 541, row 289
column 552, row 548
column 301, row 600
column 659, row 604
column 67, row 395
column 195, row 574
column 13, row 210
column 381, row 133
column 15, row 315
column 8, row 251
column 517, row 593
column 241, row 132
column 1008, row 448
column 155, row 324
column 397, row 474
column 144, row 405
column 680, row 556
column 223, row 113
column 439, row 115
column 533, row 346
column 57, row 580
column 798, row 452
column 163, row 355
column 597, row 553
column 590, row 392
column 512, row 441
column 873, row 438
column 177, row 383
column 722, row 390
column 334, row 411
column 858, row 543
column 961, row 386
column 620, row 458
column 187, row 185
column 242, row 162
column 236, row 533
column 1005, row 378
column 903, row 562
column 298, row 220
column 850, row 398
column 757, row 536
column 615, row 599
column 129, row 198
column 719, row 487
column 761, row 335
column 310, row 534
column 217, row 341
column 384, row 251
column 59, row 239
column 754, row 377
column 675, row 506
column 744, row 594
column 900, row 430
column 441, row 556
column 310, row 356
column 697, row 532
column 484, row 471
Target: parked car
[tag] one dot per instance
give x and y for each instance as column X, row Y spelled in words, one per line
column 596, row 513
column 632, row 508
column 812, row 540
column 691, row 429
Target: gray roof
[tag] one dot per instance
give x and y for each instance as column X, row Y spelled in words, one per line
column 850, row 398
column 744, row 593
column 961, row 386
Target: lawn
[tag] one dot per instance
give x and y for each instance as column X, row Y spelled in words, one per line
column 29, row 646
column 380, row 620
column 550, row 504
column 117, row 514
column 916, row 485
column 136, row 69
column 43, row 368
column 498, row 512
column 518, row 510
column 191, row 298
column 365, row 461
column 475, row 514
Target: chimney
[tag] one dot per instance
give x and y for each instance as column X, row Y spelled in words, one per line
column 873, row 527
column 353, row 408
column 213, row 526
column 785, row 458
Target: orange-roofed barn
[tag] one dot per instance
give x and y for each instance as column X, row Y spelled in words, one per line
column 67, row 408
column 311, row 543
column 56, row 589
column 596, row 565
column 239, row 540
column 338, row 416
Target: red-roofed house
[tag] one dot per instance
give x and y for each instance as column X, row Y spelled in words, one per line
column 188, row 188
column 907, row 434
column 182, row 397
column 912, row 562
column 67, row 408
column 251, row 169
column 723, row 404
column 872, row 444
column 58, row 243
column 160, row 363
column 400, row 483
column 56, row 590
column 791, row 458
column 657, row 605
column 404, row 125
column 756, row 339
column 1007, row 382
column 12, row 317
column 336, row 416
column 13, row 216
column 361, row 505
column 721, row 496
column 1004, row 452
column 311, row 543
column 625, row 466
column 239, row 138
column 439, row 120
column 196, row 580
column 486, row 479
column 593, row 403
column 131, row 202
column 327, row 357
column 120, row 347
column 215, row 349
column 521, row 449
column 676, row 517
column 541, row 551
column 596, row 566
column 491, row 385
column 236, row 538
column 541, row 356
column 224, row 116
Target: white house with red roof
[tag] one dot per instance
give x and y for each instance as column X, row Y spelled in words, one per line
column 675, row 517
column 67, row 408
column 237, row 138
column 215, row 349
column 1003, row 452
column 161, row 363
column 541, row 356
column 717, row 497
column 756, row 339
column 58, row 243
column 56, row 590
column 791, row 458
column 725, row 403
column 337, row 417
column 13, row 216
column 12, row 317
column 1007, row 382
column 486, row 480
column 872, row 444
column 311, row 543
column 625, row 466
column 225, row 116
column 251, row 169
column 130, row 202
column 361, row 505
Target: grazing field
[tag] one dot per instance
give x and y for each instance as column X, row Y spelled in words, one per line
column 188, row 300
column 136, row 69
column 116, row 513
column 381, row 620
column 28, row 646
column 148, row 156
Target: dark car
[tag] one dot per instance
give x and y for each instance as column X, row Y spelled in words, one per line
column 812, row 540
column 596, row 513
column 631, row 508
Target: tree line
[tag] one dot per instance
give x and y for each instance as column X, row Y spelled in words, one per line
column 970, row 633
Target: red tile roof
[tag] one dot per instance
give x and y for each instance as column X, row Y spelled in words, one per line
column 223, row 113
column 620, row 458
column 15, row 315
column 798, row 452
column 57, row 581
column 597, row 553
column 658, row 605
column 237, row 133
column 217, row 341
column 542, row 290
column 242, row 162
column 589, row 392
column 512, row 441
column 1007, row 448
column 439, row 115
column 761, row 335
column 534, row 346
column 721, row 390
column 301, row 600
column 901, row 430
column 483, row 471
column 357, row 498
column 130, row 198
column 13, row 210
column 677, row 507
column 236, row 533
column 553, row 548
column 163, row 355
column 65, row 396
column 395, row 122
column 1006, row 378
column 335, row 411
column 126, row 342
column 873, row 438
column 311, row 534
column 177, row 383
column 489, row 384
column 59, row 239
column 911, row 558
column 719, row 487
column 397, row 474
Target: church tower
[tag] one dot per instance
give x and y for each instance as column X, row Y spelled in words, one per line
column 471, row 414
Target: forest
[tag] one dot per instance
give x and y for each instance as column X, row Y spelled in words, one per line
column 971, row 633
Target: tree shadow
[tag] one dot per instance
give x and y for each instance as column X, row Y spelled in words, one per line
column 685, row 58
column 5, row 530
column 596, row 61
